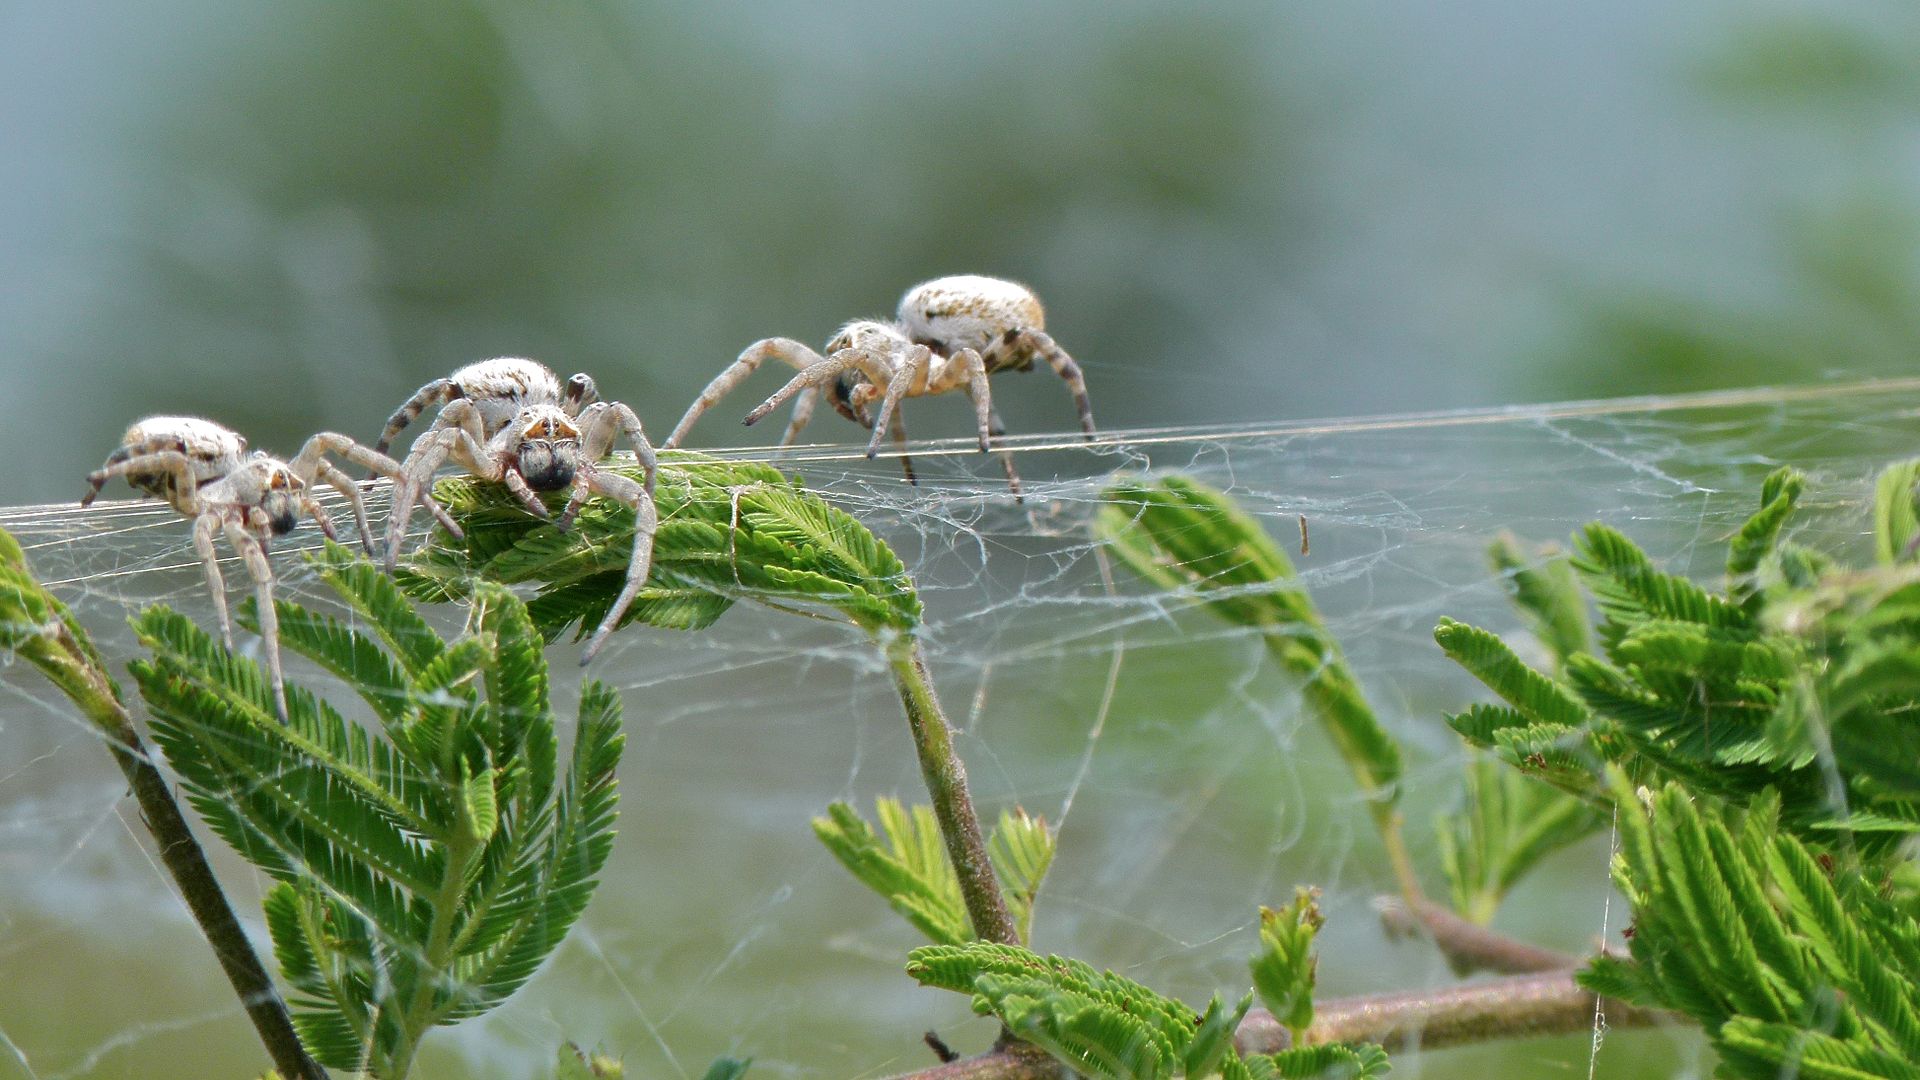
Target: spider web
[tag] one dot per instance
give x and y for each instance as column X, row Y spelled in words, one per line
column 1187, row 785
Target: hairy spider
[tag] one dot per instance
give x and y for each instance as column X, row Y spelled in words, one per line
column 510, row 421
column 950, row 333
column 203, row 470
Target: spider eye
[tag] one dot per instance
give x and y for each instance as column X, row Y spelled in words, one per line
column 539, row 429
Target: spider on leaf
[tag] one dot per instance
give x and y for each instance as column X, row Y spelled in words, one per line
column 950, row 333
column 510, row 421
column 203, row 470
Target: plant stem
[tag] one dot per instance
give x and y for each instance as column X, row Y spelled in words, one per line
column 67, row 663
column 1468, row 946
column 435, row 958
column 1524, row 1006
column 946, row 781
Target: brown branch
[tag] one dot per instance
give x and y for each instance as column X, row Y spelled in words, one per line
column 1468, row 946
column 1522, row 1006
column 69, row 664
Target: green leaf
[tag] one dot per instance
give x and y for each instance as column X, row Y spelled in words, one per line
column 1330, row 1061
column 1182, row 535
column 1097, row 1023
column 909, row 869
column 728, row 531
column 1213, row 1037
column 1741, row 927
column 1543, row 588
column 1283, row 969
column 1509, row 824
column 423, row 875
column 1021, row 850
column 375, row 596
column 1759, row 535
column 1537, row 698
column 1896, row 520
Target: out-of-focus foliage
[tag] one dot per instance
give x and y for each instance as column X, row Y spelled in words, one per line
column 1792, row 968
column 906, row 862
column 1104, row 1025
column 423, row 873
column 1799, row 679
column 1830, row 283
column 727, row 532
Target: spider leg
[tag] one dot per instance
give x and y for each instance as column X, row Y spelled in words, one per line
column 437, row 392
column 456, row 432
column 820, row 374
column 172, row 462
column 899, row 429
column 1063, row 366
column 785, row 350
column 204, row 527
column 918, row 360
column 600, row 425
column 261, row 571
column 996, row 428
column 325, row 520
column 580, row 393
column 803, row 405
column 522, row 491
column 311, row 463
column 645, row 520
column 967, row 365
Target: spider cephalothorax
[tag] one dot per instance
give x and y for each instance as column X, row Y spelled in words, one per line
column 511, row 421
column 203, row 470
column 950, row 333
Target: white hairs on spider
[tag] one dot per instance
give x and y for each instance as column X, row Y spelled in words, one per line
column 950, row 333
column 203, row 471
column 510, row 421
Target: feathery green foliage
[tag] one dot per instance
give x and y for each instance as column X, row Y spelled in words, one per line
column 906, row 863
column 1794, row 966
column 1543, row 589
column 1738, row 693
column 423, row 873
column 31, row 625
column 728, row 531
column 1283, row 969
column 1184, row 536
column 1104, row 1025
column 1511, row 822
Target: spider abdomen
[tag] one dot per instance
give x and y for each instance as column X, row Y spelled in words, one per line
column 968, row 311
column 501, row 387
column 210, row 449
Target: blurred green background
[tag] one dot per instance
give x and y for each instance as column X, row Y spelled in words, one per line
column 287, row 216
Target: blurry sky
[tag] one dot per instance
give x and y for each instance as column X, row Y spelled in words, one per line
column 287, row 216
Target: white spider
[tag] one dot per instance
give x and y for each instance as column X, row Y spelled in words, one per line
column 950, row 333
column 203, row 470
column 511, row 422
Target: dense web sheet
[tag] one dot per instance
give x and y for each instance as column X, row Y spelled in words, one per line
column 1188, row 787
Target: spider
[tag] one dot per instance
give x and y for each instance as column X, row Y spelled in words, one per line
column 511, row 421
column 951, row 332
column 203, row 470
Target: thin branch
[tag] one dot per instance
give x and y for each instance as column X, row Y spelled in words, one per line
column 1524, row 1006
column 66, row 662
column 1468, row 946
column 946, row 781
